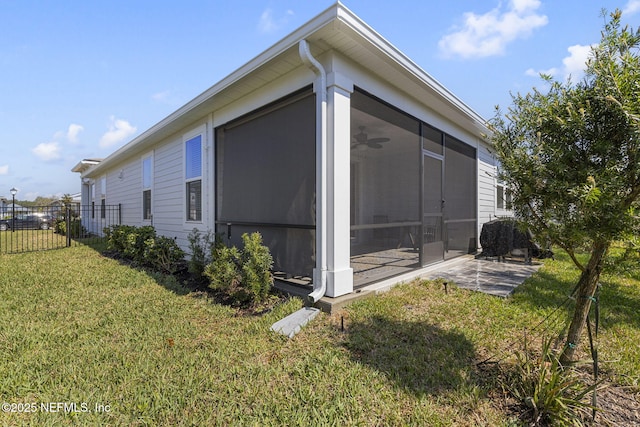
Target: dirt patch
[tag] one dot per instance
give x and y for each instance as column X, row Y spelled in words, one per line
column 618, row 406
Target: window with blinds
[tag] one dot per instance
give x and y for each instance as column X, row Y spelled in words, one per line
column 146, row 187
column 193, row 178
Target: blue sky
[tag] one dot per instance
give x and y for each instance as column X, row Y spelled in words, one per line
column 79, row 79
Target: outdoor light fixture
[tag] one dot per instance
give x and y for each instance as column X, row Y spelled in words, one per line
column 13, row 192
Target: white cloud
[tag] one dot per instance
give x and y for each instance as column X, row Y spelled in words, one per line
column 47, row 151
column 633, row 6
column 73, row 131
column 70, row 135
column 161, row 96
column 488, row 34
column 573, row 65
column 4, row 170
column 119, row 131
column 533, row 73
column 576, row 63
column 269, row 24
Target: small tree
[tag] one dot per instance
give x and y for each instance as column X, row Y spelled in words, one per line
column 257, row 263
column 572, row 159
column 66, row 200
column 244, row 275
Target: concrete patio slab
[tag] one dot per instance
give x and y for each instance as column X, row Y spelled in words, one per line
column 467, row 272
column 491, row 277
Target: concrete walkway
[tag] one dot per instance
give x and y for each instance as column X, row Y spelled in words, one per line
column 488, row 276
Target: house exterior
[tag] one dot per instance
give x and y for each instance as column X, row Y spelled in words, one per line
column 57, row 207
column 354, row 164
column 9, row 208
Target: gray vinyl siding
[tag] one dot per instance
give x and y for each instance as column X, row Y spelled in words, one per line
column 126, row 190
column 486, row 186
column 124, row 186
column 168, row 193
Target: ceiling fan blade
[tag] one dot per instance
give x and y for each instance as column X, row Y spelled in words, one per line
column 377, row 140
column 374, row 144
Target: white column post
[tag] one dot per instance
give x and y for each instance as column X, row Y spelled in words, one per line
column 340, row 273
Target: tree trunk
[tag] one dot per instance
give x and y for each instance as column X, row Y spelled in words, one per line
column 585, row 290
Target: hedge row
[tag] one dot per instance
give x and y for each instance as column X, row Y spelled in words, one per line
column 144, row 247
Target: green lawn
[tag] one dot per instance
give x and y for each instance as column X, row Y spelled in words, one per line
column 30, row 240
column 130, row 348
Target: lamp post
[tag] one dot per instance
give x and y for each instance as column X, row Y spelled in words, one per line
column 13, row 192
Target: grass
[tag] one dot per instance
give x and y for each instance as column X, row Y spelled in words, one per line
column 30, row 240
column 77, row 327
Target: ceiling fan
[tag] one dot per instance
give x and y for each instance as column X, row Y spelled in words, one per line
column 362, row 141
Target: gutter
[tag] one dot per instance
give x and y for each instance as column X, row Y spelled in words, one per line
column 320, row 275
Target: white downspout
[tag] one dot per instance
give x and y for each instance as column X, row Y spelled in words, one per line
column 320, row 278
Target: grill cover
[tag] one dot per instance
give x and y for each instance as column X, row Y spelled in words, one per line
column 501, row 236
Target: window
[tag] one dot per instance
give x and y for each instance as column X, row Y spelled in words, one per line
column 146, row 188
column 193, row 177
column 503, row 194
column 103, row 197
column 93, row 201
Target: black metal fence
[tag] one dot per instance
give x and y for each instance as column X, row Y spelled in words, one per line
column 42, row 228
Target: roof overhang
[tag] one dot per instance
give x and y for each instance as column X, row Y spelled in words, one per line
column 85, row 164
column 336, row 29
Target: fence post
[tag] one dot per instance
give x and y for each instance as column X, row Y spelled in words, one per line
column 67, row 219
column 119, row 213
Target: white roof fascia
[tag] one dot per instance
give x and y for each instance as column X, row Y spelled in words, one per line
column 84, row 165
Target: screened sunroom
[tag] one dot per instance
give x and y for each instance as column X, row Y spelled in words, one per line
column 412, row 187
column 413, row 192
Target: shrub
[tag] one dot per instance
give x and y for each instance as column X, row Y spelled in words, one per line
column 202, row 248
column 144, row 247
column 163, row 254
column 75, row 226
column 117, row 237
column 257, row 263
column 135, row 243
column 243, row 275
column 551, row 393
column 224, row 270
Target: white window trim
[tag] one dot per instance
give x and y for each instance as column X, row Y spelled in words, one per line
column 202, row 132
column 92, row 199
column 499, row 183
column 148, row 155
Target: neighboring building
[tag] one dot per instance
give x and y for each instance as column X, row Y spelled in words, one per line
column 354, row 163
column 56, row 208
column 9, row 208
